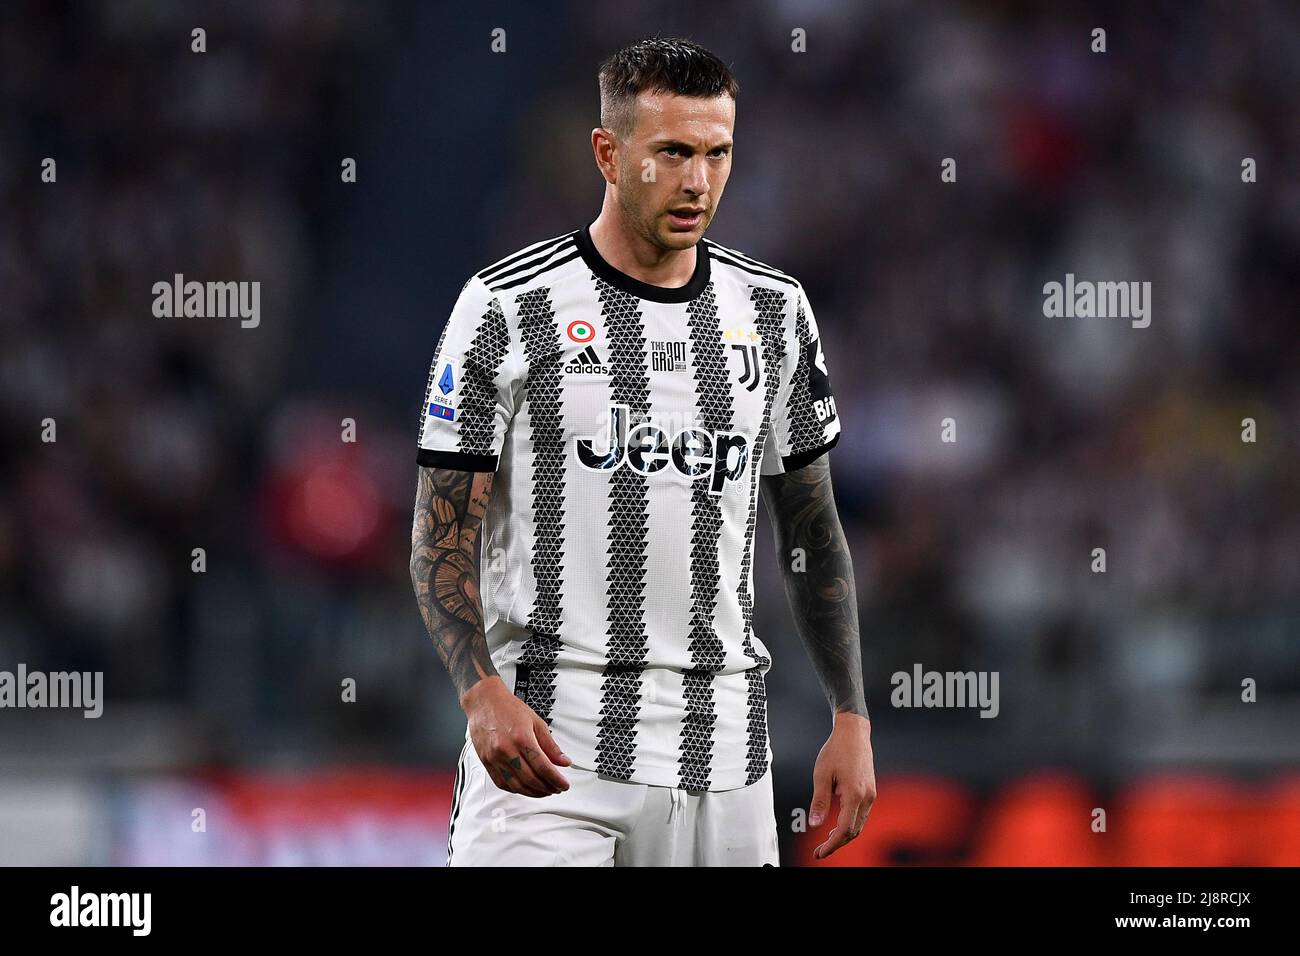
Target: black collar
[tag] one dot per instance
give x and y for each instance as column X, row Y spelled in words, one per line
column 644, row 290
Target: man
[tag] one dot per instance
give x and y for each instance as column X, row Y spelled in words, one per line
column 604, row 403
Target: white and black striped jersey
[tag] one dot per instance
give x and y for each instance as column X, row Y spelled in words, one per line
column 628, row 424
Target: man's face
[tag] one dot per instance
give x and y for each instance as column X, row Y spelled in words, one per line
column 674, row 165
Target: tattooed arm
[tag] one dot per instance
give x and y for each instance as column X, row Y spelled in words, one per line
column 513, row 742
column 449, row 510
column 822, row 596
column 825, row 606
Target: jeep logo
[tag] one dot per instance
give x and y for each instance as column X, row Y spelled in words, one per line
column 646, row 448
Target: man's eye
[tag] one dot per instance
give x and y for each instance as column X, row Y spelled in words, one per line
column 672, row 150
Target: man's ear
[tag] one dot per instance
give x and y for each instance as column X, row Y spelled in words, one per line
column 605, row 148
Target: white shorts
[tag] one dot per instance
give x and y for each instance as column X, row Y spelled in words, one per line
column 601, row 821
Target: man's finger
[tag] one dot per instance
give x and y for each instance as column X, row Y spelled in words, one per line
column 843, row 831
column 821, row 801
column 864, row 811
column 503, row 777
column 549, row 746
column 547, row 774
column 519, row 777
column 533, row 785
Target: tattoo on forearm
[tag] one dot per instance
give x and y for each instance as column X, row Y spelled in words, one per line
column 449, row 510
column 822, row 596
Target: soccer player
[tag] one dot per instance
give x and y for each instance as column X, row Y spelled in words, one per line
column 602, row 409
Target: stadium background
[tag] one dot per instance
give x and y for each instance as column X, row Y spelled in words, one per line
column 1118, row 690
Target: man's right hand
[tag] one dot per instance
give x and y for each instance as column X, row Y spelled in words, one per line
column 513, row 743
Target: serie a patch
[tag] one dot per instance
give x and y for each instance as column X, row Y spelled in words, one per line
column 444, row 406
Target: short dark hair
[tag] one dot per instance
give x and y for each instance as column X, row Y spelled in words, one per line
column 658, row 64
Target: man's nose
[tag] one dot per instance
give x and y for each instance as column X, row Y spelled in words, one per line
column 696, row 181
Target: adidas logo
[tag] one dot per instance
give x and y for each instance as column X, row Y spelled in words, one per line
column 586, row 362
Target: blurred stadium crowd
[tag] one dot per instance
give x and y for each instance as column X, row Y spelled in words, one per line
column 1072, row 434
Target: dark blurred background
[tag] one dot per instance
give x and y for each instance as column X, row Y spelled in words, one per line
column 1119, row 691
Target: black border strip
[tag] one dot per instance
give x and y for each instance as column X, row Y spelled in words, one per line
column 459, row 460
column 644, row 290
column 795, row 462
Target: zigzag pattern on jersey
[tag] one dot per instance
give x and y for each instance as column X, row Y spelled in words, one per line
column 806, row 432
column 477, row 386
column 708, row 653
column 541, row 341
column 433, row 371
column 770, row 306
column 629, row 507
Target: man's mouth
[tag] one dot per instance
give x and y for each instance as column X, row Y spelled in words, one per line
column 686, row 217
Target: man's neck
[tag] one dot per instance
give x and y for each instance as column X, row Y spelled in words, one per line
column 634, row 256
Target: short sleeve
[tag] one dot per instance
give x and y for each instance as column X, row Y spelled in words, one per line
column 805, row 422
column 469, row 400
